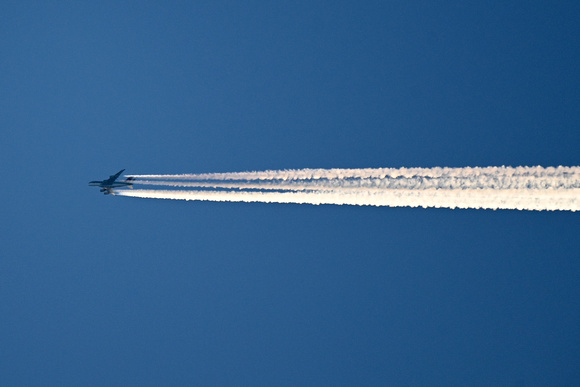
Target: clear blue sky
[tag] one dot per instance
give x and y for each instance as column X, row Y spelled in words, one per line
column 98, row 290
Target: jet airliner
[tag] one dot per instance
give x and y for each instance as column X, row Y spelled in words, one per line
column 110, row 183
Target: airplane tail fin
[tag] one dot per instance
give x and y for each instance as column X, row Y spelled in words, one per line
column 130, row 180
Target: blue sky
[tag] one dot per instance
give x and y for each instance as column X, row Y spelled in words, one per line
column 99, row 290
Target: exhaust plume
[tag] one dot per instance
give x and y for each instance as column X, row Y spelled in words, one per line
column 524, row 188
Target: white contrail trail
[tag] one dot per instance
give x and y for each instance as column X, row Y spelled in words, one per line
column 380, row 173
column 482, row 198
column 530, row 188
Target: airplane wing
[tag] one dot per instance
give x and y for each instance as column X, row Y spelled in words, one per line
column 114, row 177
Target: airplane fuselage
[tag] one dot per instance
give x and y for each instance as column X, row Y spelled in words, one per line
column 112, row 185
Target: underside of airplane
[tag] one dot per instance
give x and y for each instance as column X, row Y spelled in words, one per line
column 108, row 185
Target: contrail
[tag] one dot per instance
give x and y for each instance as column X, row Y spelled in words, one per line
column 529, row 188
column 381, row 173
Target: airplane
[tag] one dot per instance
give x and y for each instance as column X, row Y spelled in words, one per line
column 108, row 185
